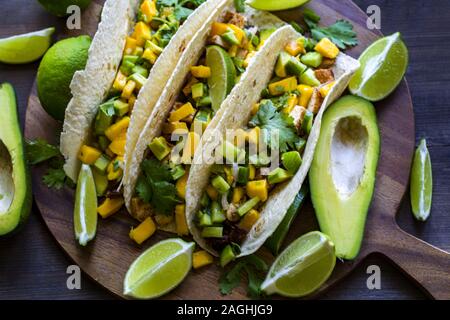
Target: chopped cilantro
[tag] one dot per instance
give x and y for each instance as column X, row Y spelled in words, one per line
column 269, row 119
column 54, row 178
column 341, row 32
column 39, row 150
column 254, row 267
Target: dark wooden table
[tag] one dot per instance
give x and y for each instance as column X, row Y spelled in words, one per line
column 32, row 266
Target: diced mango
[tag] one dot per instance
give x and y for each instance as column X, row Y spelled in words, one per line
column 229, row 174
column 305, row 94
column 218, row 29
column 179, row 127
column 233, row 51
column 327, row 48
column 120, row 81
column 255, row 109
column 212, row 192
column 130, row 45
column 294, row 48
column 110, row 206
column 248, row 58
column 114, row 172
column 183, row 112
column 180, row 220
column 150, row 55
column 118, row 129
column 240, row 34
column 201, row 72
column 118, row 146
column 190, row 146
column 201, row 259
column 143, row 231
column 249, row 220
column 181, row 185
column 148, row 8
column 141, row 33
column 128, row 89
column 258, row 188
column 326, row 89
column 251, row 172
column 238, row 194
column 291, row 103
column 280, row 87
column 88, row 155
column 253, row 135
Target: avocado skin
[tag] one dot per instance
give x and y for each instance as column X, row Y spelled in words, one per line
column 343, row 220
column 11, row 137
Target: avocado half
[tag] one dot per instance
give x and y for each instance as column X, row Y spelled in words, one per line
column 15, row 183
column 343, row 171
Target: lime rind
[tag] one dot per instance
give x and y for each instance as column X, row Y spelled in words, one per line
column 421, row 188
column 275, row 5
column 26, row 47
column 383, row 66
column 133, row 284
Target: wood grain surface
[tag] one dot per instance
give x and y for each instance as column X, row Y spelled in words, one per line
column 383, row 235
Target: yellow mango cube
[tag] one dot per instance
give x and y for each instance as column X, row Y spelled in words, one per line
column 201, row 72
column 128, row 89
column 291, row 103
column 114, row 171
column 258, row 188
column 141, row 33
column 294, row 48
column 110, row 206
column 143, row 231
column 249, row 220
column 218, row 29
column 179, row 127
column 281, row 87
column 118, row 146
column 190, row 146
column 120, row 81
column 150, row 55
column 238, row 194
column 239, row 33
column 180, row 220
column 181, row 185
column 327, row 48
column 148, row 8
column 253, row 136
column 201, row 258
column 251, row 172
column 183, row 112
column 118, row 129
column 248, row 58
column 88, row 155
column 306, row 93
column 255, row 109
column 212, row 192
column 130, row 45
column 324, row 90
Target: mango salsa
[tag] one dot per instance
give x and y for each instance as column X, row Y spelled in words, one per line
column 143, row 231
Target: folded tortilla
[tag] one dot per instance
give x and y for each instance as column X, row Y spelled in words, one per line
column 237, row 116
column 91, row 86
column 192, row 54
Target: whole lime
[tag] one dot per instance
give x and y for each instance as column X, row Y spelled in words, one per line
column 59, row 7
column 55, row 73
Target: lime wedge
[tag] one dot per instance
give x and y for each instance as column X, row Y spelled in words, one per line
column 383, row 65
column 85, row 213
column 159, row 269
column 275, row 5
column 421, row 188
column 223, row 75
column 26, row 47
column 302, row 267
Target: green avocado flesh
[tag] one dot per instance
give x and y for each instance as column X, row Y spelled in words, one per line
column 343, row 171
column 15, row 187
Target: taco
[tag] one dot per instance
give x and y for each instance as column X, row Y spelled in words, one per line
column 136, row 41
column 233, row 207
column 200, row 91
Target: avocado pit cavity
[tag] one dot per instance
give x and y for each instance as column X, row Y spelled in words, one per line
column 6, row 180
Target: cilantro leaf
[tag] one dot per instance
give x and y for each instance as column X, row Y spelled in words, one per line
column 182, row 13
column 255, row 269
column 269, row 119
column 39, row 150
column 156, row 186
column 341, row 32
column 55, row 178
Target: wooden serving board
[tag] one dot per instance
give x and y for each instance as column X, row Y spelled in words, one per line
column 108, row 257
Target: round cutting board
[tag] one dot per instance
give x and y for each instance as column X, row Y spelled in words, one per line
column 107, row 258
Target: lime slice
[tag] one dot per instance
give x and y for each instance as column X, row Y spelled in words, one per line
column 383, row 66
column 275, row 5
column 85, row 213
column 159, row 269
column 223, row 75
column 26, row 47
column 421, row 188
column 302, row 267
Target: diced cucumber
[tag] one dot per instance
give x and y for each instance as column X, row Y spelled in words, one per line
column 291, row 161
column 217, row 215
column 278, row 175
column 312, row 59
column 212, row 232
column 205, row 220
column 242, row 176
column 309, row 78
column 101, row 164
column 227, row 255
column 220, row 184
column 247, row 206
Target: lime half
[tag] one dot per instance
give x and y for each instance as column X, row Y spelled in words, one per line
column 223, row 75
column 159, row 269
column 383, row 66
column 26, row 47
column 302, row 267
column 85, row 213
column 421, row 188
column 276, row 5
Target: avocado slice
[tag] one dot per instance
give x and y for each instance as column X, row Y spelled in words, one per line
column 15, row 183
column 343, row 171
